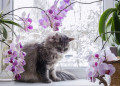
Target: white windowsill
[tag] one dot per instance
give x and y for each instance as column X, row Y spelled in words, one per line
column 81, row 82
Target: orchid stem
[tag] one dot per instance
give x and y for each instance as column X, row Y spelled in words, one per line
column 106, row 42
column 5, row 43
column 106, row 33
column 79, row 3
column 102, row 80
column 45, row 11
column 27, row 7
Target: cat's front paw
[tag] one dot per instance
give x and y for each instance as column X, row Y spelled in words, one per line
column 56, row 79
column 46, row 81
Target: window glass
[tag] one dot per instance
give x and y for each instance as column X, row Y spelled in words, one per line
column 80, row 23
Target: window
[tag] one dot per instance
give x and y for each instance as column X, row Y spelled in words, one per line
column 81, row 23
column 5, row 6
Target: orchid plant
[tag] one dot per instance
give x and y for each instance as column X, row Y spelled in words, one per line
column 56, row 15
column 98, row 67
column 14, row 55
column 15, row 58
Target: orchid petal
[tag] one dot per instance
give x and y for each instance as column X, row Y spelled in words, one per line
column 17, row 76
column 15, row 62
column 8, row 68
column 6, row 60
column 17, row 38
column 14, row 54
column 29, row 20
column 102, row 68
column 12, row 46
column 30, row 27
column 23, row 14
column 111, row 68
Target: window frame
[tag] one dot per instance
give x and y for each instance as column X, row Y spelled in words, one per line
column 6, row 6
column 1, row 7
column 106, row 5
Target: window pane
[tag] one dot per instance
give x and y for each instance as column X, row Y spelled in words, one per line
column 80, row 23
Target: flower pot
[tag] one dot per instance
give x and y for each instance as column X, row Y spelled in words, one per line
column 115, row 78
column 114, row 50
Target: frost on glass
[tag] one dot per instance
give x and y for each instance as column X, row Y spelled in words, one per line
column 80, row 23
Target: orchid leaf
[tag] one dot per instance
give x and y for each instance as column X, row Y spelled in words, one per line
column 1, row 14
column 108, row 26
column 103, row 19
column 0, row 32
column 4, row 32
column 10, row 28
column 108, row 29
column 116, row 23
column 10, row 22
column 118, row 50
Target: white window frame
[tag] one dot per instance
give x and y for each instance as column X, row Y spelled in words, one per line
column 5, row 7
column 1, row 7
column 108, row 4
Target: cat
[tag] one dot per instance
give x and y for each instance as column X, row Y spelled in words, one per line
column 41, row 59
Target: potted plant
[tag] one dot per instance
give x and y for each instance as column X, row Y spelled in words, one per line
column 109, row 27
column 13, row 49
column 109, row 30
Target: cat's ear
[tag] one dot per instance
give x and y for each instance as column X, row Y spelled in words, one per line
column 56, row 37
column 50, row 39
column 71, row 39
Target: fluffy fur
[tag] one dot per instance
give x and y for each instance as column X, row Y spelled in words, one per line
column 41, row 60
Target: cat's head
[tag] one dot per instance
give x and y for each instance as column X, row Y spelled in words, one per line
column 60, row 42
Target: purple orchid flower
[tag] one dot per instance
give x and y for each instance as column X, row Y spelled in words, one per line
column 97, row 55
column 10, row 51
column 30, row 27
column 56, row 20
column 106, row 69
column 92, row 74
column 26, row 22
column 66, row 1
column 15, row 59
column 17, row 76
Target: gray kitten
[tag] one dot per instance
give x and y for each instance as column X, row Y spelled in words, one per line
column 41, row 60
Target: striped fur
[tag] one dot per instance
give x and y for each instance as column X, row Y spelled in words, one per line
column 41, row 60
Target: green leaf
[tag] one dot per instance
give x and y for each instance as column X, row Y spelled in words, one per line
column 1, row 14
column 109, row 22
column 10, row 22
column 116, row 24
column 3, row 40
column 118, row 50
column 10, row 28
column 0, row 32
column 112, row 27
column 4, row 32
column 114, row 41
column 103, row 19
column 109, row 25
column 108, row 29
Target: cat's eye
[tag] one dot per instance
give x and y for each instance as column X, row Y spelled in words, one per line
column 65, row 49
column 58, row 48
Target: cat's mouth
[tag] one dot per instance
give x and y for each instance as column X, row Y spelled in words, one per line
column 61, row 51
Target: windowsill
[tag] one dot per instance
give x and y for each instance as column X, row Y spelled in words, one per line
column 80, row 82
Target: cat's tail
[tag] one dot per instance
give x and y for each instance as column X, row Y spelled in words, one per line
column 63, row 75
